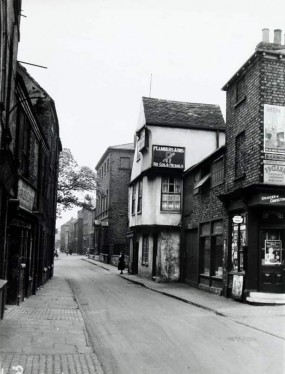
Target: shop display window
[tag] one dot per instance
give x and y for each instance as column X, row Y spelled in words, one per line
column 272, row 251
column 211, row 235
column 239, row 243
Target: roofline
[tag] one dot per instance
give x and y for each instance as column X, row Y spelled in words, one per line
column 218, row 150
column 193, row 127
column 242, row 69
column 113, row 148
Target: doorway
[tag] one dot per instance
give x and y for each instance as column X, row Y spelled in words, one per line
column 272, row 259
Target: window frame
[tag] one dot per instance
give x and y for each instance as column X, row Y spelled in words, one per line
column 170, row 193
column 133, row 203
column 240, row 90
column 240, row 155
column 212, row 236
column 140, row 194
column 145, row 250
column 217, row 179
column 129, row 163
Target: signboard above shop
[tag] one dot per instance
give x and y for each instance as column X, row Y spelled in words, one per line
column 26, row 195
column 170, row 157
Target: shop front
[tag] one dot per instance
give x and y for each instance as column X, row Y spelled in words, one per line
column 256, row 256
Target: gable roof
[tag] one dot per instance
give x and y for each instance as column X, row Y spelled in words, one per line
column 170, row 113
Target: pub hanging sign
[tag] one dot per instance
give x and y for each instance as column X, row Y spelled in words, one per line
column 168, row 157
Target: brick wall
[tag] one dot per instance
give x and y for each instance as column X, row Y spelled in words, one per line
column 265, row 84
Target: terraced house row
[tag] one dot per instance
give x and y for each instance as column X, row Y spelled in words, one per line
column 206, row 197
column 29, row 151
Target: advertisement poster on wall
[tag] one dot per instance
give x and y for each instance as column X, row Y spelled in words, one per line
column 237, row 286
column 274, row 129
column 274, row 172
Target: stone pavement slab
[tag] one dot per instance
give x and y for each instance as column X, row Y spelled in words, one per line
column 46, row 334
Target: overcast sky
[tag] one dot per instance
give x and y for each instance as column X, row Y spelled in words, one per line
column 100, row 56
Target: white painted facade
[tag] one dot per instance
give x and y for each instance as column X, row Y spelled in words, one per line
column 162, row 227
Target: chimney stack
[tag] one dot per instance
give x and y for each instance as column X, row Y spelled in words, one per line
column 265, row 35
column 277, row 36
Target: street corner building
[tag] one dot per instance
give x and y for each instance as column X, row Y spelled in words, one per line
column 233, row 206
column 254, row 194
column 29, row 152
column 171, row 137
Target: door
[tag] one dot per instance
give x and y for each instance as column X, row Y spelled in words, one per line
column 136, row 257
column 191, row 257
column 272, row 253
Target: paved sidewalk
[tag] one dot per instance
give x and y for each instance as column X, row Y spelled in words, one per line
column 46, row 335
column 268, row 319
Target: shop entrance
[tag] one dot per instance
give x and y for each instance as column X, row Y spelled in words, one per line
column 272, row 260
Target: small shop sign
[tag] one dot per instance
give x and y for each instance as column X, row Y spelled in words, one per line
column 168, row 157
column 237, row 219
column 26, row 195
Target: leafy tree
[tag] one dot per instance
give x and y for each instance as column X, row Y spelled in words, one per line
column 75, row 183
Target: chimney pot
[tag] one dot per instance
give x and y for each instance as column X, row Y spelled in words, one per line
column 265, row 35
column 277, row 36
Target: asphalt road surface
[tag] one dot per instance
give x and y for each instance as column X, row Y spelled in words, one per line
column 134, row 330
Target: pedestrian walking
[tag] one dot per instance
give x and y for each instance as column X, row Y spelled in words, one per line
column 121, row 263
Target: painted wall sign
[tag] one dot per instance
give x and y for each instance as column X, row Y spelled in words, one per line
column 272, row 198
column 26, row 195
column 274, row 172
column 168, row 157
column 274, row 129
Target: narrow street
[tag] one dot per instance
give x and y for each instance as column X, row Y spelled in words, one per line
column 135, row 330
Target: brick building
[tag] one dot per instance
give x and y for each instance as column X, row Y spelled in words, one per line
column 171, row 137
column 254, row 194
column 32, row 209
column 234, row 231
column 202, row 249
column 111, row 213
column 9, row 38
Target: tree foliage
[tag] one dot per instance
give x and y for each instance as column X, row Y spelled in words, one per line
column 76, row 184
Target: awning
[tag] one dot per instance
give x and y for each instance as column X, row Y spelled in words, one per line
column 202, row 181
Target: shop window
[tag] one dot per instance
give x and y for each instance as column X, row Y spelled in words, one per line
column 211, row 234
column 145, row 250
column 240, row 155
column 217, row 175
column 170, row 194
column 239, row 243
column 140, row 192
column 206, row 246
column 124, row 162
column 272, row 251
column 133, row 199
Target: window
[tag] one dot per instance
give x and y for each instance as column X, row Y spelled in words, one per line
column 140, row 192
column 145, row 250
column 240, row 155
column 212, row 249
column 217, row 176
column 133, row 199
column 124, row 162
column 108, row 164
column 240, row 89
column 170, row 194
